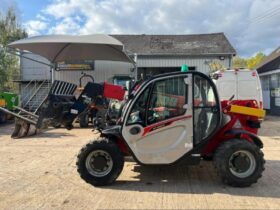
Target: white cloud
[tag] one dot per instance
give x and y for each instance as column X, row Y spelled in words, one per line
column 33, row 27
column 67, row 26
column 41, row 17
column 244, row 22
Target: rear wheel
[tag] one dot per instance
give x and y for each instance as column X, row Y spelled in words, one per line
column 100, row 162
column 84, row 120
column 239, row 162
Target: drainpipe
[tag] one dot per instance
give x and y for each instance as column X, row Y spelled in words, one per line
column 230, row 62
column 136, row 69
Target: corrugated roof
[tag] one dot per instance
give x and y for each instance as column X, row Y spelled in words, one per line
column 271, row 62
column 195, row 44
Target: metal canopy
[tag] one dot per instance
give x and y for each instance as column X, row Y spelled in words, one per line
column 67, row 47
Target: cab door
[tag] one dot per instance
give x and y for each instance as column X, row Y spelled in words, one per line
column 158, row 127
column 206, row 108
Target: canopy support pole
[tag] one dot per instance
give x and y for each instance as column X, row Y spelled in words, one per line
column 52, row 74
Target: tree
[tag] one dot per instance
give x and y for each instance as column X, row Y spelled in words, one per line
column 10, row 30
column 255, row 60
column 249, row 63
column 215, row 65
column 239, row 62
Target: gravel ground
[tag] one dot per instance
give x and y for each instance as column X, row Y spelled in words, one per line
column 40, row 173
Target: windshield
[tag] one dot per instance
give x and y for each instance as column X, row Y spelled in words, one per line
column 135, row 89
column 121, row 81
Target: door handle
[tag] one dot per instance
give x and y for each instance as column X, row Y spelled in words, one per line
column 134, row 130
column 214, row 109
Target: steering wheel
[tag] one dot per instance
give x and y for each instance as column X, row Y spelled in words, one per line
column 152, row 116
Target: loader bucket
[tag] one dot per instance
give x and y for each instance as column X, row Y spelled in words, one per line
column 24, row 122
column 23, row 129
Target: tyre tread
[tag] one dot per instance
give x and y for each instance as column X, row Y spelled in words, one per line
column 221, row 169
column 118, row 162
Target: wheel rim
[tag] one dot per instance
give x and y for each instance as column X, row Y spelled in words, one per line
column 242, row 164
column 99, row 163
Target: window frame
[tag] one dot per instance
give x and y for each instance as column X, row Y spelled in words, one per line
column 144, row 124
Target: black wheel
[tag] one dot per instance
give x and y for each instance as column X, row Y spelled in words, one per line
column 84, row 120
column 3, row 117
column 239, row 163
column 100, row 162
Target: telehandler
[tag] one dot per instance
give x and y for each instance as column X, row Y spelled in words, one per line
column 178, row 117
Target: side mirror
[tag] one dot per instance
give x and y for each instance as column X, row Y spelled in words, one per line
column 128, row 86
column 187, row 81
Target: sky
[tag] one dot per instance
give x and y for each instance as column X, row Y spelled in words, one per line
column 250, row 25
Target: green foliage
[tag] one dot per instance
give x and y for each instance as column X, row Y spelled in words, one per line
column 254, row 61
column 239, row 62
column 215, row 66
column 249, row 63
column 10, row 30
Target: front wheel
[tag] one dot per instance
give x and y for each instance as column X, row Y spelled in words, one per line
column 239, row 162
column 100, row 162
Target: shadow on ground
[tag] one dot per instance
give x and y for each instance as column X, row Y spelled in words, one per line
column 53, row 133
column 272, row 118
column 200, row 179
column 270, row 127
column 6, row 128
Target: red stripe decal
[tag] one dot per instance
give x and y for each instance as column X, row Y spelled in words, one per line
column 163, row 124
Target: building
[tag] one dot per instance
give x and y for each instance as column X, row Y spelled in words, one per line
column 269, row 72
column 153, row 54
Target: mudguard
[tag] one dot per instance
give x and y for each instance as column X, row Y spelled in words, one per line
column 237, row 132
column 112, row 131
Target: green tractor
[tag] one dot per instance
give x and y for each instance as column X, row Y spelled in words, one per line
column 7, row 101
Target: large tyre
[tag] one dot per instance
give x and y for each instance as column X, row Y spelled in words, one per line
column 3, row 117
column 84, row 120
column 239, row 163
column 100, row 162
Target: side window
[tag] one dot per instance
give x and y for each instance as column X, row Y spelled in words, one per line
column 138, row 111
column 206, row 109
column 167, row 100
column 203, row 93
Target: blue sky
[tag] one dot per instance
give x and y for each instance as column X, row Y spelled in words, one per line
column 30, row 8
column 250, row 25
